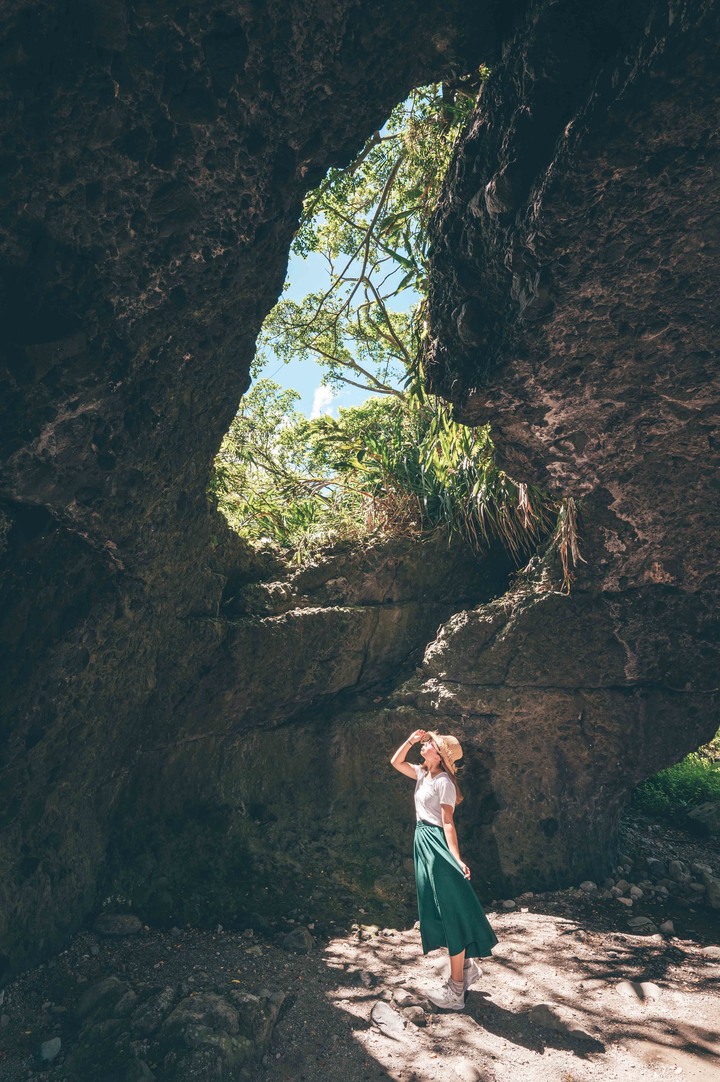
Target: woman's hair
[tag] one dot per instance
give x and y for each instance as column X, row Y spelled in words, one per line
column 458, row 795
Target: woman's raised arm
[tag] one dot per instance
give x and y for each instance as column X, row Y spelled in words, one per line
column 398, row 759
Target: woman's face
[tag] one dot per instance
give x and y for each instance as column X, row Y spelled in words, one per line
column 430, row 753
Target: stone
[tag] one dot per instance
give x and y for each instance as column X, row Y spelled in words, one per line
column 387, row 1020
column 102, row 999
column 149, row 1015
column 667, row 927
column 588, row 886
column 117, row 924
column 462, row 1069
column 300, row 941
column 626, row 902
column 508, row 904
column 636, row 893
column 622, row 885
column 712, row 890
column 49, row 1050
column 404, row 998
column 707, row 817
column 638, row 991
column 642, row 924
column 657, row 869
column 676, row 870
column 207, row 1024
column 415, row 1014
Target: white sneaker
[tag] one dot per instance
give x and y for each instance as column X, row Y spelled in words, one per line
column 447, row 998
column 471, row 974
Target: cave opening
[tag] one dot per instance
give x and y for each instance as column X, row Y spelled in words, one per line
column 685, row 795
column 348, row 445
column 195, row 729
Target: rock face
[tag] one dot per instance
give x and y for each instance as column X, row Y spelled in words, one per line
column 180, row 716
column 574, row 273
column 154, row 160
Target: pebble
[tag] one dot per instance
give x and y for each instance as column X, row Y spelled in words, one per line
column 667, row 927
column 415, row 1014
column 508, row 904
column 387, row 1020
column 644, row 991
column 50, row 1049
column 626, row 901
column 636, row 892
column 299, row 940
column 588, row 886
column 465, row 1070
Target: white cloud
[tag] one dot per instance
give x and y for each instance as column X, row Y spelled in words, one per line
column 322, row 401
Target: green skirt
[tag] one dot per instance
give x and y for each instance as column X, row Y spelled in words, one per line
column 450, row 914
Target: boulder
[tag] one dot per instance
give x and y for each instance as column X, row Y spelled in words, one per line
column 707, row 817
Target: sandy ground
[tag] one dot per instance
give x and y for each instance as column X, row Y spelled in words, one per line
column 641, row 1008
column 569, row 995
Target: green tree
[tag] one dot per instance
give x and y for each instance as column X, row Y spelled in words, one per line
column 400, row 462
column 369, row 222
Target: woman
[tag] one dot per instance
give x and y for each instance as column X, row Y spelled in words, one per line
column 450, row 914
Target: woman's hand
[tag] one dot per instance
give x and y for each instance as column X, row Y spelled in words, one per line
column 398, row 759
column 465, row 869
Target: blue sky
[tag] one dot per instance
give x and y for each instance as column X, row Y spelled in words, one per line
column 307, row 276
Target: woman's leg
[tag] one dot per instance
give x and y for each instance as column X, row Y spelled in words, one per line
column 457, row 962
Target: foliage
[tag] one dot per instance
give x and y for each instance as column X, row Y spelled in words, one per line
column 673, row 792
column 387, row 467
column 399, row 463
column 369, row 222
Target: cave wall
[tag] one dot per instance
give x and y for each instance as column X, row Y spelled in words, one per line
column 574, row 274
column 154, row 158
column 165, row 690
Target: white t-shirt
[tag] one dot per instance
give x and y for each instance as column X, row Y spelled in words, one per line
column 430, row 793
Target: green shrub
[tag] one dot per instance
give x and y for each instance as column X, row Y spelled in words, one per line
column 672, row 793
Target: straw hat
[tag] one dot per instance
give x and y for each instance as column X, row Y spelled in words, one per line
column 449, row 749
